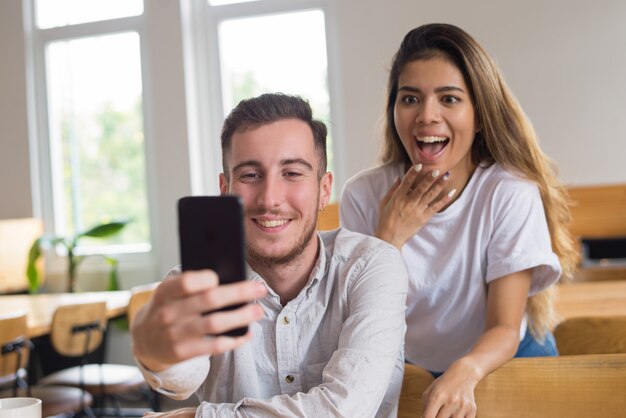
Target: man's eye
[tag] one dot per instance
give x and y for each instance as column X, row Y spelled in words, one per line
column 249, row 176
column 292, row 174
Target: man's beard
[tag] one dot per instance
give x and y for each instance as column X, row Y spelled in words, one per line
column 269, row 261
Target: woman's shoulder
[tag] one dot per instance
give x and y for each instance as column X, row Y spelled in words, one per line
column 382, row 175
column 499, row 180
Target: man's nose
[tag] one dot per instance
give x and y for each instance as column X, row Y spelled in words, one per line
column 271, row 194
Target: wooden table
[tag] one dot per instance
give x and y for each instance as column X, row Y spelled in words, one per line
column 591, row 299
column 40, row 308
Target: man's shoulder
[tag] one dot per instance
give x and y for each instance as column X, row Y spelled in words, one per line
column 343, row 244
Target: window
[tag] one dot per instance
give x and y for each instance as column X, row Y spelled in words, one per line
column 90, row 118
column 255, row 47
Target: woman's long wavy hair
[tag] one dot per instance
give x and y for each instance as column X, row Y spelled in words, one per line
column 506, row 137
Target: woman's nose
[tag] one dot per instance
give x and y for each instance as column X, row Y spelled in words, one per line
column 429, row 112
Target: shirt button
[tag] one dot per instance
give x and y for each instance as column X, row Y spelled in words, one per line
column 289, row 378
column 286, row 320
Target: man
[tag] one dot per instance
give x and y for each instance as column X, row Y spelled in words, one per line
column 331, row 336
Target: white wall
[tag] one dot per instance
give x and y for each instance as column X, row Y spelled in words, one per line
column 564, row 60
column 15, row 185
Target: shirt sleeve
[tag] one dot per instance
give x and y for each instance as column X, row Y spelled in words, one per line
column 520, row 238
column 179, row 381
column 357, row 376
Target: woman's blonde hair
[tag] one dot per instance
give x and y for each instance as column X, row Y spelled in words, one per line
column 505, row 136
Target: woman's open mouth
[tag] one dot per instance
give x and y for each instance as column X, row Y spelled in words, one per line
column 430, row 147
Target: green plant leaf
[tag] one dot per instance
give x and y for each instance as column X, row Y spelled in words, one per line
column 45, row 241
column 114, row 283
column 34, row 281
column 104, row 230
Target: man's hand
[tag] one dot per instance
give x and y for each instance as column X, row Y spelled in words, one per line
column 172, row 328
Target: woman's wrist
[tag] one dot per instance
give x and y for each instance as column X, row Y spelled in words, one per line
column 469, row 368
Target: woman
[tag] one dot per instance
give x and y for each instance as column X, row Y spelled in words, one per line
column 475, row 208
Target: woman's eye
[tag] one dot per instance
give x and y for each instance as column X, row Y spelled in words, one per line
column 408, row 99
column 450, row 99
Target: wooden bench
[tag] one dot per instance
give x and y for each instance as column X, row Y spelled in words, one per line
column 540, row 387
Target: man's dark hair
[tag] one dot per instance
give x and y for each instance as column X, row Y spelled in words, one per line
column 267, row 108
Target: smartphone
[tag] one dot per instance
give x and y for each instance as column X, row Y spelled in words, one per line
column 211, row 236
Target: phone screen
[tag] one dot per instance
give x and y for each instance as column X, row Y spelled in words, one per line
column 212, row 237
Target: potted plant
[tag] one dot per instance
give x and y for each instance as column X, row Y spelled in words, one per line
column 46, row 242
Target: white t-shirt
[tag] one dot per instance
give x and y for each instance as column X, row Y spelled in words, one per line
column 496, row 227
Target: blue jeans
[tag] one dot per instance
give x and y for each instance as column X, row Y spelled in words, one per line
column 530, row 347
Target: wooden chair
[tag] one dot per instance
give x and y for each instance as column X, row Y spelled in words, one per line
column 540, row 387
column 415, row 381
column 329, row 217
column 15, row 349
column 587, row 335
column 599, row 212
column 140, row 295
column 77, row 331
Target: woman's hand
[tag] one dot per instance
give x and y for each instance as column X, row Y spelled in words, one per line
column 410, row 203
column 452, row 394
column 177, row 413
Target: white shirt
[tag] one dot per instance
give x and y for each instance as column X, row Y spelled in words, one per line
column 496, row 227
column 333, row 351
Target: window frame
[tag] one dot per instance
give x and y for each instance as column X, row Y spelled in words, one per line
column 204, row 81
column 131, row 256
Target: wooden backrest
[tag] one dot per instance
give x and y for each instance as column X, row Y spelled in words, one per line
column 548, row 387
column 138, row 298
column 415, row 381
column 16, row 238
column 601, row 335
column 12, row 329
column 329, row 217
column 599, row 211
column 540, row 387
column 66, row 335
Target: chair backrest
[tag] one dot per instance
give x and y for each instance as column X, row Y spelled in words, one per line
column 16, row 238
column 598, row 211
column 329, row 217
column 13, row 333
column 547, row 387
column 415, row 381
column 140, row 295
column 591, row 335
column 75, row 325
column 539, row 387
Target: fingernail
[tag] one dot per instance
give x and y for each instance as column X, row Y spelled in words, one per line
column 446, row 176
column 452, row 193
column 436, row 173
column 418, row 168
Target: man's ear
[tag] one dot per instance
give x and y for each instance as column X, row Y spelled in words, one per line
column 326, row 188
column 223, row 184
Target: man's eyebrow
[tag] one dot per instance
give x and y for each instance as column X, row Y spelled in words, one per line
column 248, row 163
column 299, row 161
column 286, row 161
column 437, row 90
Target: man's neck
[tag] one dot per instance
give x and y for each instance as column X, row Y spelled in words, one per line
column 288, row 280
